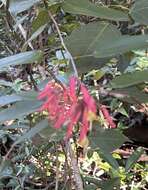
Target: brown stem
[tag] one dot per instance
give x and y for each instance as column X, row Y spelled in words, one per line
column 77, row 176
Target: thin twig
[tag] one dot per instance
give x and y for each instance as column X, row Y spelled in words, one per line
column 57, row 170
column 9, row 151
column 61, row 39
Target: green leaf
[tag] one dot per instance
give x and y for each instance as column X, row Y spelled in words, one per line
column 110, row 184
column 6, row 83
column 42, row 19
column 102, row 40
column 106, row 140
column 130, row 79
column 53, row 134
column 84, row 7
column 109, row 159
column 4, row 100
column 21, row 58
column 122, row 44
column 86, row 64
column 45, row 131
column 131, row 95
column 8, row 99
column 133, row 159
column 88, row 187
column 104, row 185
column 83, row 41
column 33, row 131
column 16, row 126
column 19, row 109
column 6, row 169
column 139, row 12
column 36, row 34
column 18, row 6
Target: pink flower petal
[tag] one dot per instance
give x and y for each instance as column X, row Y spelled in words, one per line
column 72, row 88
column 85, row 125
column 88, row 99
column 73, row 121
column 107, row 116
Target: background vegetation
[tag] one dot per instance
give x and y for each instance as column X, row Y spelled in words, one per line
column 43, row 40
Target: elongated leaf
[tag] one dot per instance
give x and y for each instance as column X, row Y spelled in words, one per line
column 18, row 6
column 6, row 83
column 19, row 109
column 41, row 20
column 104, row 185
column 130, row 79
column 86, row 64
column 109, row 159
column 82, row 44
column 133, row 159
column 36, row 33
column 102, row 40
column 84, row 7
column 123, row 44
column 107, row 140
column 131, row 95
column 4, row 100
column 83, row 41
column 8, row 99
column 21, row 58
column 139, row 11
column 33, row 131
column 16, row 126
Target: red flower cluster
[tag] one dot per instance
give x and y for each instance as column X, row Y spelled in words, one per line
column 66, row 107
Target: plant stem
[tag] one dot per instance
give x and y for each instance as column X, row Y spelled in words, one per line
column 61, row 39
column 77, row 176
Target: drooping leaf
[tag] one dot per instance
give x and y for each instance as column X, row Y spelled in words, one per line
column 139, row 11
column 130, row 79
column 84, row 7
column 133, row 159
column 106, row 140
column 19, row 109
column 18, row 6
column 21, row 58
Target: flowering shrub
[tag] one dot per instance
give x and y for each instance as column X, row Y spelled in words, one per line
column 71, row 105
column 42, row 39
column 67, row 105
